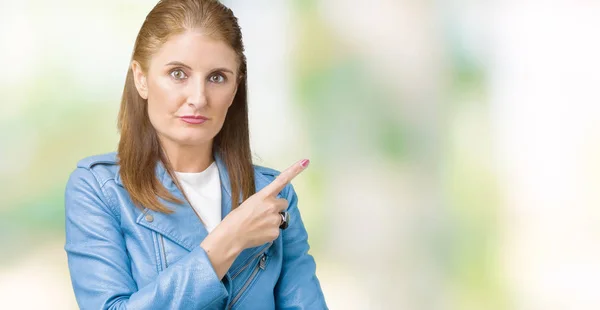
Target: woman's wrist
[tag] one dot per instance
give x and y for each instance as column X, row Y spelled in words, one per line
column 222, row 241
column 222, row 248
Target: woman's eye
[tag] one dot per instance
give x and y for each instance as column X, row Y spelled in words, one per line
column 178, row 74
column 217, row 78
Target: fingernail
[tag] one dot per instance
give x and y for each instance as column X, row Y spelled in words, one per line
column 305, row 163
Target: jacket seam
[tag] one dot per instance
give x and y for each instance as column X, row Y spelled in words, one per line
column 107, row 198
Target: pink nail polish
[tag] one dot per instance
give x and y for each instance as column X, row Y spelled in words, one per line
column 305, row 163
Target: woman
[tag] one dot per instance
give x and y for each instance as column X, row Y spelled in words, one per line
column 155, row 226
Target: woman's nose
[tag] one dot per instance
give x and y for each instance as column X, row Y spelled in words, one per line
column 198, row 95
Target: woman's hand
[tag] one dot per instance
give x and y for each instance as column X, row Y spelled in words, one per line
column 255, row 222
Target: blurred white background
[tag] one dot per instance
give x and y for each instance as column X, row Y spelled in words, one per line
column 455, row 145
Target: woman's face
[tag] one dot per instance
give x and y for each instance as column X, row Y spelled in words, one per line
column 190, row 85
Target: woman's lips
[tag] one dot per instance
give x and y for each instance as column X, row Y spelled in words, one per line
column 193, row 119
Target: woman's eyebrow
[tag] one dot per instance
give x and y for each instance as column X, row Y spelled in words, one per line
column 178, row 63
column 223, row 70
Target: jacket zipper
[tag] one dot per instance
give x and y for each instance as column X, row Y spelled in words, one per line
column 250, row 261
column 260, row 266
column 164, row 251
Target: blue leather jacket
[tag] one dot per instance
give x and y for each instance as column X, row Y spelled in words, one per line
column 121, row 257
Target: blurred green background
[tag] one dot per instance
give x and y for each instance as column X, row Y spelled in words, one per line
column 454, row 145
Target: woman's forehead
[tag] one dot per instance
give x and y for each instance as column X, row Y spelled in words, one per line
column 197, row 50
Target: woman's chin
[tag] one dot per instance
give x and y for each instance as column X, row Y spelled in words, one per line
column 194, row 141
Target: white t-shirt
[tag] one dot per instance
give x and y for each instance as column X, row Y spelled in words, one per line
column 203, row 190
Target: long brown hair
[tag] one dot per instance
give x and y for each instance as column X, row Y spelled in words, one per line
column 139, row 148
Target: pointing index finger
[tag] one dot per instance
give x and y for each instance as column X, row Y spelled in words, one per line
column 284, row 178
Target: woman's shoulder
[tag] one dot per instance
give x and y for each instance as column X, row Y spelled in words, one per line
column 104, row 159
column 103, row 167
column 266, row 175
column 266, row 171
column 86, row 191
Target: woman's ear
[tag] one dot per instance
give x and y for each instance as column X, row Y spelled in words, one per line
column 139, row 79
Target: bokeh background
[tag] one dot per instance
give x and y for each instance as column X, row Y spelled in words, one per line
column 455, row 145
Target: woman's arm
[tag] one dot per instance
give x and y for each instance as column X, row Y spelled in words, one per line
column 100, row 267
column 222, row 248
column 298, row 286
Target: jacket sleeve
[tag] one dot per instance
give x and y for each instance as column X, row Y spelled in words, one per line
column 100, row 267
column 298, row 286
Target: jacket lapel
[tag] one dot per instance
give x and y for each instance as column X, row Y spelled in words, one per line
column 182, row 226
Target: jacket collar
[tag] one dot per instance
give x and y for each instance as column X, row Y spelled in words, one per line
column 183, row 226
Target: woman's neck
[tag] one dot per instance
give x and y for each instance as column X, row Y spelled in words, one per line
column 188, row 158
